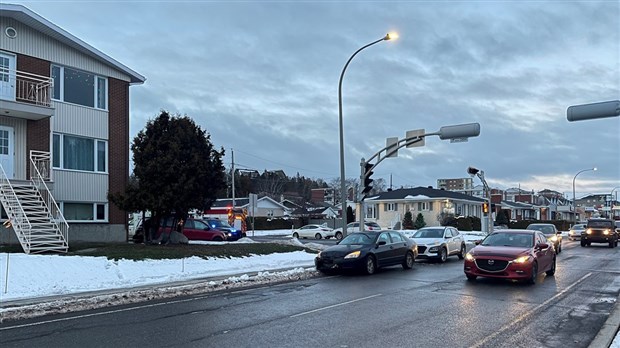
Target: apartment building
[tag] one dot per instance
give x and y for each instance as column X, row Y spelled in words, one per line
column 64, row 132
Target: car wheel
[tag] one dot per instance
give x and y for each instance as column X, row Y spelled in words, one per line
column 217, row 239
column 296, row 235
column 583, row 244
column 317, row 236
column 443, row 255
column 532, row 279
column 339, row 235
column 409, row 260
column 559, row 247
column 611, row 244
column 551, row 271
column 371, row 265
column 471, row 277
column 461, row 254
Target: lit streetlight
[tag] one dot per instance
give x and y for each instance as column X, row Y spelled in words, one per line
column 574, row 205
column 343, row 191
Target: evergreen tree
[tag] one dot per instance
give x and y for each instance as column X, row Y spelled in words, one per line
column 176, row 169
column 408, row 221
column 502, row 218
column 350, row 216
column 419, row 222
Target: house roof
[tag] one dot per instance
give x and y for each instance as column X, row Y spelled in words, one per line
column 516, row 205
column 24, row 15
column 423, row 192
column 242, row 202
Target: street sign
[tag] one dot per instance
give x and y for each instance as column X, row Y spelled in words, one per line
column 391, row 145
column 413, row 134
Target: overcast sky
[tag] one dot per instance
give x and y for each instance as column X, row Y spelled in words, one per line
column 262, row 78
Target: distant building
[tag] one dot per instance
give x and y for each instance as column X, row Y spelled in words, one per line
column 460, row 184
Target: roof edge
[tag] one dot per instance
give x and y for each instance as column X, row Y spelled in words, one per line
column 135, row 78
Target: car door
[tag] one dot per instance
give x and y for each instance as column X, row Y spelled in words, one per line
column 383, row 250
column 203, row 230
column 399, row 247
column 306, row 231
column 447, row 237
column 544, row 256
column 458, row 239
column 189, row 231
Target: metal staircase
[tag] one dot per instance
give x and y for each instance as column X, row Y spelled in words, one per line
column 32, row 211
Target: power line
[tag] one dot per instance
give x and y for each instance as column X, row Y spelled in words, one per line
column 285, row 165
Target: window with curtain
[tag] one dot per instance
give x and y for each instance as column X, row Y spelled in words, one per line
column 79, row 153
column 84, row 211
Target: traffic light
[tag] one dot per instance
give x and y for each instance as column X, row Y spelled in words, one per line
column 367, row 180
column 485, row 208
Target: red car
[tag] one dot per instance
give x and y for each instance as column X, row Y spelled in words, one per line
column 511, row 254
column 194, row 229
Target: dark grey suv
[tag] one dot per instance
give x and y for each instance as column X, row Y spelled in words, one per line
column 600, row 231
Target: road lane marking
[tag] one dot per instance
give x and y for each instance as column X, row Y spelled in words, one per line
column 529, row 313
column 97, row 314
column 333, row 306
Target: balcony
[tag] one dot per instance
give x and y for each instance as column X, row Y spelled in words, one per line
column 25, row 95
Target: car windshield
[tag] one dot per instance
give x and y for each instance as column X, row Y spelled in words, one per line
column 579, row 227
column 373, row 224
column 522, row 240
column 546, row 229
column 606, row 224
column 357, row 239
column 429, row 233
column 218, row 223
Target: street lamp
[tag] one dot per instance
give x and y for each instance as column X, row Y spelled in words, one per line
column 574, row 205
column 343, row 202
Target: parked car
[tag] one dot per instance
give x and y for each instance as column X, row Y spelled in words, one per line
column 600, row 231
column 193, row 229
column 232, row 233
column 313, row 231
column 355, row 227
column 575, row 232
column 551, row 232
column 511, row 254
column 439, row 243
column 368, row 251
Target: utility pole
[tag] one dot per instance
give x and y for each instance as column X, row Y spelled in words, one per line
column 232, row 155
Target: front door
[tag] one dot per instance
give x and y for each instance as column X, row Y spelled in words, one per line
column 7, row 154
column 7, row 76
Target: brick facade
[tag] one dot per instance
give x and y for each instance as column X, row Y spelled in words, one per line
column 118, row 144
column 38, row 132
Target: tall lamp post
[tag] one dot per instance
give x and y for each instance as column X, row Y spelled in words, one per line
column 574, row 205
column 611, row 203
column 343, row 202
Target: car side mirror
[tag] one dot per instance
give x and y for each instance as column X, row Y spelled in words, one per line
column 558, row 232
column 477, row 242
column 382, row 242
column 542, row 246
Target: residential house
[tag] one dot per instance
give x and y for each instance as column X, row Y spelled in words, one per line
column 265, row 207
column 389, row 208
column 64, row 131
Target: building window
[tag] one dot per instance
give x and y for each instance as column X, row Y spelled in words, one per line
column 371, row 211
column 79, row 87
column 78, row 153
column 84, row 211
column 391, row 206
column 425, row 206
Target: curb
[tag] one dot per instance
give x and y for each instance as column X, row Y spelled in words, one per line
column 40, row 306
column 610, row 328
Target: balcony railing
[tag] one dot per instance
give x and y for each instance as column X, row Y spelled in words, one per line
column 26, row 87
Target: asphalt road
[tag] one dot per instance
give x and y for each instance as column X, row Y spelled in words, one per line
column 430, row 306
